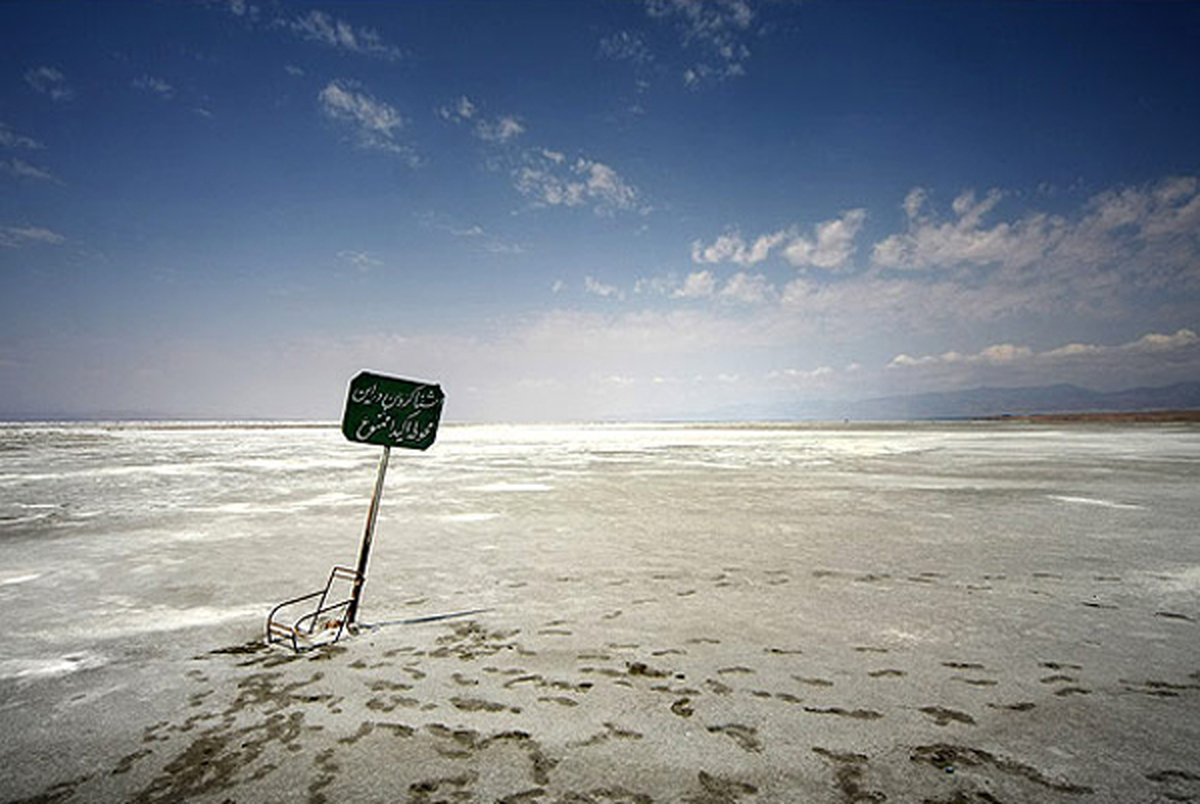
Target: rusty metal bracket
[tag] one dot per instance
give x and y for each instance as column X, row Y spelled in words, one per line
column 304, row 628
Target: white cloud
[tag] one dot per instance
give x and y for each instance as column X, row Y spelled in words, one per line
column 657, row 285
column 373, row 122
column 50, row 82
column 550, row 180
column 317, row 26
column 732, row 248
column 360, row 260
column 626, row 46
column 20, row 169
column 598, row 288
column 1154, row 357
column 155, row 86
column 747, row 288
column 19, row 236
column 697, row 285
column 458, row 111
column 1125, row 240
column 501, row 130
column 293, row 70
column 715, row 30
column 11, row 139
column 914, row 201
column 820, row 377
column 833, row 244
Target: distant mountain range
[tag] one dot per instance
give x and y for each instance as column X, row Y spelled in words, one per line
column 984, row 402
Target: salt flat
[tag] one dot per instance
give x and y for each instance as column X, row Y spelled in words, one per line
column 940, row 612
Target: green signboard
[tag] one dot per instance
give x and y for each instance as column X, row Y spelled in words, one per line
column 392, row 412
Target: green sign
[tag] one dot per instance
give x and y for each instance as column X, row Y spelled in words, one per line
column 392, row 412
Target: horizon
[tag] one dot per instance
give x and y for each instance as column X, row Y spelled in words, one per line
column 670, row 210
column 996, row 412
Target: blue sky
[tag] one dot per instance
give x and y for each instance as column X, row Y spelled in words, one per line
column 578, row 211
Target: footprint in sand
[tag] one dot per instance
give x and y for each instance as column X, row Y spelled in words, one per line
column 1058, row 679
column 849, row 775
column 1065, row 691
column 611, row 732
column 389, row 703
column 976, row 682
column 383, row 685
column 814, row 682
column 1180, row 785
column 561, row 700
column 445, row 787
column 480, row 705
column 853, row 714
column 683, row 708
column 1020, row 706
column 944, row 756
column 713, row 790
column 1170, row 615
column 746, row 737
column 944, row 717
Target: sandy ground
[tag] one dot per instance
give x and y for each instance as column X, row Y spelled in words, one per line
column 973, row 622
column 734, row 685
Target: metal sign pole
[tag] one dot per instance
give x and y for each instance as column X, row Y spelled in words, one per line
column 365, row 551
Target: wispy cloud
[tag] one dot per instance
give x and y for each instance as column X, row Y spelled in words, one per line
column 20, row 169
column 500, row 129
column 1148, row 230
column 731, row 247
column 1153, row 358
column 320, row 27
column 1007, row 354
column 154, row 86
column 830, row 246
column 717, row 31
column 359, row 260
column 373, row 123
column 747, row 288
column 628, row 46
column 11, row 139
column 458, row 111
column 597, row 288
column 550, row 179
column 20, row 236
column 697, row 285
column 51, row 82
